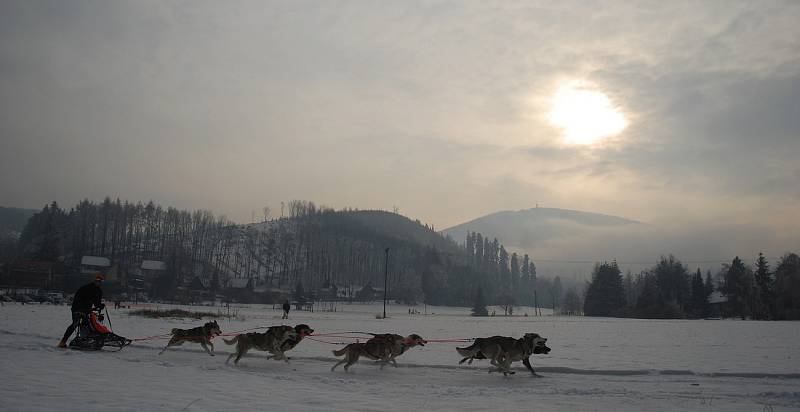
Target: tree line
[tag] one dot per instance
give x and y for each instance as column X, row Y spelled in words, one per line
column 308, row 247
column 668, row 290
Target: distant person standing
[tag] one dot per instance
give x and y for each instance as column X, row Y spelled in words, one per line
column 87, row 297
column 286, row 308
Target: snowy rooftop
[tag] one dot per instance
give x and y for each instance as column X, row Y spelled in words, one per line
column 153, row 265
column 95, row 261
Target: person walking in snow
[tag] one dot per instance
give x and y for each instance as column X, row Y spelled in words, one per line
column 87, row 297
column 286, row 307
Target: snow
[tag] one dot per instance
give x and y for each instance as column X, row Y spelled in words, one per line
column 595, row 364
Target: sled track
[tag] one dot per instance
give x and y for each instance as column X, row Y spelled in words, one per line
column 42, row 342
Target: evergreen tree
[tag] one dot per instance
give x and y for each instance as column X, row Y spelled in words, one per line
column 787, row 285
column 478, row 250
column 479, row 306
column 502, row 268
column 515, row 275
column 699, row 307
column 736, row 287
column 605, row 295
column 648, row 306
column 524, row 289
column 673, row 282
column 709, row 284
column 765, row 285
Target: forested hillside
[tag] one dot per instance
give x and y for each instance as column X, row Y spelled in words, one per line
column 317, row 248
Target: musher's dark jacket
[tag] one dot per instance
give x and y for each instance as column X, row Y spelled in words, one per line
column 88, row 296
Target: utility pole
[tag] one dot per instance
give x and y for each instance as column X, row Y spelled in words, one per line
column 385, row 282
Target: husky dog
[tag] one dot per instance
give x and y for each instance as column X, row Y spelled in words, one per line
column 503, row 350
column 381, row 347
column 272, row 341
column 201, row 334
column 302, row 330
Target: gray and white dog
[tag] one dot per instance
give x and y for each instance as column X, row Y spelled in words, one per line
column 276, row 340
column 201, row 334
column 383, row 347
column 503, row 350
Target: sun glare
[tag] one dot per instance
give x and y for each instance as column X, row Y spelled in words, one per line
column 585, row 115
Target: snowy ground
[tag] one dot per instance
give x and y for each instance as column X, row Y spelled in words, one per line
column 595, row 364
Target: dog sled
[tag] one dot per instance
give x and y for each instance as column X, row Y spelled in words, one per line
column 93, row 335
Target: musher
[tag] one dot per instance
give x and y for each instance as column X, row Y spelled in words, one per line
column 87, row 297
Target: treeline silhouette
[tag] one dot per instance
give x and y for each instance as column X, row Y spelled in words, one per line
column 309, row 248
column 669, row 291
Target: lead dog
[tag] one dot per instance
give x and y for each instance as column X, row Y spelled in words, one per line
column 503, row 350
column 275, row 340
column 201, row 334
column 381, row 347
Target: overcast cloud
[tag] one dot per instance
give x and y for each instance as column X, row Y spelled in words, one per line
column 437, row 108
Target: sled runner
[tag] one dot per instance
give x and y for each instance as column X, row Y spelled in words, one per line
column 93, row 335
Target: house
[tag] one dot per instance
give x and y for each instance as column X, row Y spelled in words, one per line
column 149, row 271
column 152, row 269
column 717, row 302
column 95, row 265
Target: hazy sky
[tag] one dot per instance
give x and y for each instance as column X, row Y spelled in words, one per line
column 442, row 109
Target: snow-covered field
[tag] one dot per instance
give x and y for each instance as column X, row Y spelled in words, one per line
column 595, row 364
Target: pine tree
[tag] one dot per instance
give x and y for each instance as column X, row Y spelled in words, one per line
column 787, row 285
column 673, row 282
column 515, row 275
column 605, row 294
column 765, row 290
column 699, row 301
column 736, row 287
column 479, row 306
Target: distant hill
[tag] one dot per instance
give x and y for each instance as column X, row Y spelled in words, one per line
column 13, row 220
column 380, row 228
column 568, row 242
column 394, row 226
column 533, row 228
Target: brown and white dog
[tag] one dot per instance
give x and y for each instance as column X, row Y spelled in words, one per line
column 276, row 340
column 201, row 334
column 383, row 348
column 503, row 350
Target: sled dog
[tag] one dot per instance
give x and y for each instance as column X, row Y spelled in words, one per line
column 383, row 348
column 503, row 350
column 302, row 330
column 272, row 341
column 201, row 334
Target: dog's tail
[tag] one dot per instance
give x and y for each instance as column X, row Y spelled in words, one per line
column 341, row 351
column 231, row 341
column 470, row 350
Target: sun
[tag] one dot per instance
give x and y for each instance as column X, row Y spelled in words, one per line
column 585, row 115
